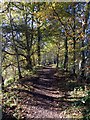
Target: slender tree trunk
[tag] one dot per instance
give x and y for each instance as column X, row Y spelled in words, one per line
column 2, row 82
column 29, row 63
column 19, row 71
column 16, row 50
column 33, row 60
column 57, row 57
column 74, row 45
column 83, row 62
column 66, row 55
column 84, row 25
column 29, row 41
column 82, row 75
column 32, row 18
column 39, row 39
column 1, row 77
column 57, row 60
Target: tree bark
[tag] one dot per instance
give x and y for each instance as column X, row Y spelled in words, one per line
column 39, row 39
column 84, row 25
column 29, row 40
column 66, row 55
column 15, row 48
column 57, row 56
column 74, row 45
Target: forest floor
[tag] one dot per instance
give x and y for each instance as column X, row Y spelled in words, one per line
column 48, row 94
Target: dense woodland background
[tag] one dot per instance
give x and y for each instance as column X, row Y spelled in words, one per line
column 35, row 35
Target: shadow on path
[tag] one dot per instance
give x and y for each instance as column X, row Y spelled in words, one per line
column 43, row 96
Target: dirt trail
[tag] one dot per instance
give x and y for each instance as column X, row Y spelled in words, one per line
column 44, row 100
column 48, row 94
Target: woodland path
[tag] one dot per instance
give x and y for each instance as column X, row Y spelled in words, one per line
column 45, row 99
column 45, row 95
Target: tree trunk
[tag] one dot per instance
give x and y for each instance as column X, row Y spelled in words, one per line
column 29, row 63
column 83, row 62
column 39, row 39
column 34, row 63
column 84, row 25
column 29, row 41
column 19, row 71
column 66, row 55
column 15, row 48
column 74, row 45
column 58, row 57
